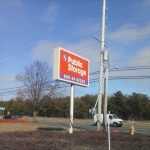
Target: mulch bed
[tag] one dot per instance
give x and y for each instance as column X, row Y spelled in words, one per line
column 84, row 140
column 16, row 120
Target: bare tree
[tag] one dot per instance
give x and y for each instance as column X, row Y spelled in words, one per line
column 36, row 82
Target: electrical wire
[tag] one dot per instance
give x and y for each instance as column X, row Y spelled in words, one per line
column 13, row 90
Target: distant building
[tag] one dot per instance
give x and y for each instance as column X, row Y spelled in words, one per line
column 2, row 109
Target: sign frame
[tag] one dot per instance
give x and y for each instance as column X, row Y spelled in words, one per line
column 56, row 69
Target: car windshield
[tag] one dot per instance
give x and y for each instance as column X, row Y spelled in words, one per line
column 115, row 116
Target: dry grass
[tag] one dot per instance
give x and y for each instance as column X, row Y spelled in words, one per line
column 28, row 136
column 46, row 140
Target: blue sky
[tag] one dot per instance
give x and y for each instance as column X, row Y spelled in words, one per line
column 31, row 29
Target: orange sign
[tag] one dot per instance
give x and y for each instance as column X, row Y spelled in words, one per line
column 71, row 67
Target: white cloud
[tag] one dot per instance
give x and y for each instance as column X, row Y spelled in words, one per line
column 87, row 28
column 7, row 78
column 8, row 10
column 90, row 48
column 8, row 81
column 130, row 32
column 142, row 57
column 44, row 51
column 86, row 48
column 11, row 4
column 50, row 14
column 146, row 3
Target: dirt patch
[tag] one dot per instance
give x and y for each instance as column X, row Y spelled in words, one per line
column 47, row 140
column 13, row 121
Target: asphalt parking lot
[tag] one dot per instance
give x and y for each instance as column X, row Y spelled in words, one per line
column 141, row 127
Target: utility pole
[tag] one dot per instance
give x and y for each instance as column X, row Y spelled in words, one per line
column 105, row 60
column 103, row 77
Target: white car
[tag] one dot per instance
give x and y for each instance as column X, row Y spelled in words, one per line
column 114, row 120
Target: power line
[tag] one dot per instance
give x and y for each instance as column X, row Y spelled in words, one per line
column 91, row 81
column 12, row 90
column 130, row 68
column 129, row 77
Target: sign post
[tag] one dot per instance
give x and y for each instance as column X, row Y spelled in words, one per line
column 108, row 131
column 71, row 108
column 73, row 69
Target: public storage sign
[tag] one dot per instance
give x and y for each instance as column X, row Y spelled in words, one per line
column 70, row 67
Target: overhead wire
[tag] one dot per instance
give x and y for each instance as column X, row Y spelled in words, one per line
column 13, row 90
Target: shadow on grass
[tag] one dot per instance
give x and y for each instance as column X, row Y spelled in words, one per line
column 51, row 129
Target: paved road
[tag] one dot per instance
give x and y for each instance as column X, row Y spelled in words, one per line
column 138, row 129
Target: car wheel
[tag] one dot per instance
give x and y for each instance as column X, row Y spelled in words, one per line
column 115, row 124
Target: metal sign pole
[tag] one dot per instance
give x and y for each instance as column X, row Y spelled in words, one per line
column 71, row 108
column 108, row 121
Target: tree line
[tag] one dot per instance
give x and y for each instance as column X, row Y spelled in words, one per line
column 38, row 96
column 134, row 106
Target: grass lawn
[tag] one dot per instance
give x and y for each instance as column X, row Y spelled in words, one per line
column 83, row 140
column 30, row 135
